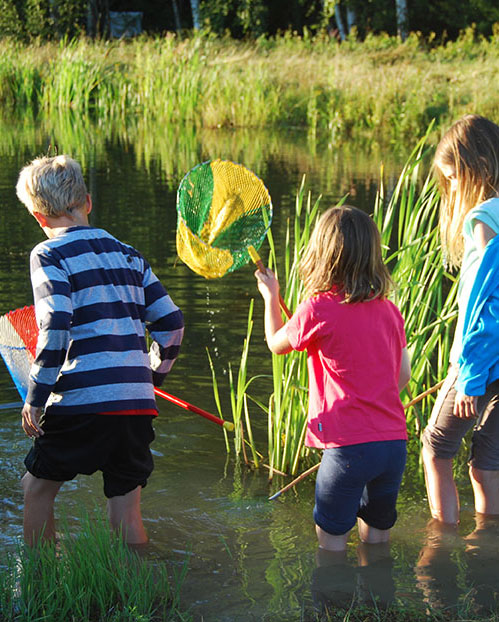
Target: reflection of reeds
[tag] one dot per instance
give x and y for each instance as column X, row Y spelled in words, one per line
column 381, row 88
column 425, row 294
column 92, row 575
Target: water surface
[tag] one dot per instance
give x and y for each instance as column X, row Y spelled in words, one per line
column 249, row 558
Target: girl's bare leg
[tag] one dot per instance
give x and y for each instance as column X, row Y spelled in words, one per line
column 371, row 535
column 441, row 488
column 329, row 542
column 486, row 490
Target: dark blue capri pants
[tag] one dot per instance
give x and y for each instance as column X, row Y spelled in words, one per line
column 359, row 481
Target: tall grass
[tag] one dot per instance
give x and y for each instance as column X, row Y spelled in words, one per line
column 407, row 216
column 381, row 88
column 425, row 292
column 91, row 576
column 287, row 405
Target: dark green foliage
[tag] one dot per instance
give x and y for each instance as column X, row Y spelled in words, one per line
column 43, row 19
column 68, row 16
column 38, row 21
column 450, row 17
column 253, row 18
column 250, row 18
column 238, row 17
column 10, row 21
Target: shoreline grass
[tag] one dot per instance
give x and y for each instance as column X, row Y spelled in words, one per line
column 380, row 88
column 90, row 576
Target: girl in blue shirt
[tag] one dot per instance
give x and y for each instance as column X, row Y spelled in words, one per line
column 467, row 167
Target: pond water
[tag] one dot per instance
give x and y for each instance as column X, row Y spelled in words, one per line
column 249, row 558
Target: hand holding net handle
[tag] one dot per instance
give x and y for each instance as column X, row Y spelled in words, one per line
column 259, row 264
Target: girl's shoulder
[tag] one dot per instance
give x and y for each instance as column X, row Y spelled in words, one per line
column 487, row 212
column 394, row 309
column 325, row 299
column 335, row 299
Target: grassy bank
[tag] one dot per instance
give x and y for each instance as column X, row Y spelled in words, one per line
column 378, row 88
column 91, row 576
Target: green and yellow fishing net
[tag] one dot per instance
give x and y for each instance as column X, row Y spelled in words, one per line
column 222, row 209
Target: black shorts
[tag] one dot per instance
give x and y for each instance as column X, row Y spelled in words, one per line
column 117, row 445
column 444, row 433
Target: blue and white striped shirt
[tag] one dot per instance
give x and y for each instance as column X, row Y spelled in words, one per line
column 94, row 298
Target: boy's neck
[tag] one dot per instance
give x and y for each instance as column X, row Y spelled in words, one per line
column 54, row 225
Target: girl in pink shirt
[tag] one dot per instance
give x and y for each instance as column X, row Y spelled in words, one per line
column 357, row 364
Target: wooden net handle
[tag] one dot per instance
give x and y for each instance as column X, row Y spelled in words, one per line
column 260, row 265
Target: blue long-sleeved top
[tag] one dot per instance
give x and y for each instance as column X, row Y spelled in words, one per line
column 479, row 360
column 94, row 298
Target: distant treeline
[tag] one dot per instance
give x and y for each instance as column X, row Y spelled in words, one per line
column 435, row 19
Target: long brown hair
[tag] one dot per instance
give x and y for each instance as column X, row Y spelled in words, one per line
column 470, row 148
column 344, row 251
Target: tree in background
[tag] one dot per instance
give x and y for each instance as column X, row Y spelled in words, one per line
column 443, row 18
column 97, row 21
column 11, row 24
column 53, row 18
column 363, row 16
column 447, row 18
column 251, row 18
column 239, row 18
column 196, row 16
column 46, row 19
column 402, row 23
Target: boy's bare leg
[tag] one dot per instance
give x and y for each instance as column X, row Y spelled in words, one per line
column 441, row 488
column 124, row 512
column 39, row 496
column 371, row 535
column 329, row 542
column 486, row 490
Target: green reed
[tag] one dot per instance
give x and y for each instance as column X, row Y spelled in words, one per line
column 238, row 387
column 424, row 292
column 380, row 88
column 286, row 408
column 91, row 576
column 287, row 405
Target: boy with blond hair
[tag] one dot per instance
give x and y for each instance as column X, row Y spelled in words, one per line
column 90, row 401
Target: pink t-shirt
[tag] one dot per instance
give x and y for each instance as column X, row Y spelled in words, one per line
column 354, row 357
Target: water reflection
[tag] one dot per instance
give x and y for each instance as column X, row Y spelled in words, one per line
column 457, row 573
column 339, row 583
column 436, row 570
column 249, row 559
column 482, row 555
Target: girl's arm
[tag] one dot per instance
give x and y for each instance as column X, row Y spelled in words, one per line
column 275, row 328
column 405, row 369
column 482, row 234
column 466, row 405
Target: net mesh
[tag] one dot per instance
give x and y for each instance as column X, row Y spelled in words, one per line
column 18, row 336
column 222, row 208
